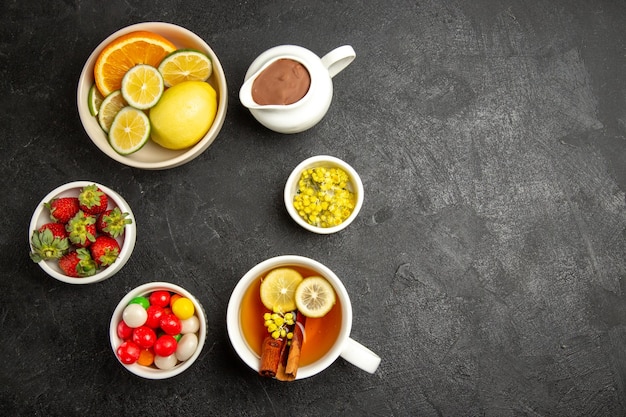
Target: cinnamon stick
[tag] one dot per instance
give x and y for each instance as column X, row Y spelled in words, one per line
column 271, row 352
column 293, row 360
column 288, row 366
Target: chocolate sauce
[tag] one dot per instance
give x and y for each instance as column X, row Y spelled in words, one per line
column 284, row 81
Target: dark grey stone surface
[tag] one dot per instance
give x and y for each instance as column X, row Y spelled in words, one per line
column 486, row 268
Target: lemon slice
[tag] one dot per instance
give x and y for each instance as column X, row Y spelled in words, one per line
column 130, row 130
column 278, row 289
column 94, row 100
column 142, row 86
column 315, row 297
column 109, row 108
column 185, row 65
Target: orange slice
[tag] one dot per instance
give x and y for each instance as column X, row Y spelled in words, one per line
column 123, row 53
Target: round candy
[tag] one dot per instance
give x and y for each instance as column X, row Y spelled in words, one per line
column 134, row 315
column 128, row 352
column 165, row 362
column 165, row 345
column 183, row 308
column 144, row 336
column 159, row 298
column 142, row 301
column 191, row 325
column 170, row 324
column 123, row 331
column 187, row 346
column 146, row 357
column 154, row 316
column 173, row 298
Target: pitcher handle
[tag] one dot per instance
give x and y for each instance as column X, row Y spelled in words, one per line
column 337, row 59
column 360, row 356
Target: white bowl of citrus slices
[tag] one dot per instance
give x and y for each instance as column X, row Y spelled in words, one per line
column 152, row 95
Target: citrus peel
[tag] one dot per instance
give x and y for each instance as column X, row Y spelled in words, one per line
column 126, row 51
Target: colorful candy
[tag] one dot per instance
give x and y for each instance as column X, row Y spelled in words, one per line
column 123, row 331
column 146, row 357
column 165, row 362
column 170, row 324
column 160, row 298
column 128, row 352
column 190, row 325
column 183, row 308
column 142, row 301
column 144, row 337
column 165, row 345
column 158, row 330
column 155, row 313
column 134, row 315
column 187, row 345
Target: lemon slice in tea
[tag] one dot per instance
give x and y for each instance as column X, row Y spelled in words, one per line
column 142, row 86
column 130, row 130
column 111, row 104
column 94, row 100
column 185, row 65
column 315, row 297
column 278, row 289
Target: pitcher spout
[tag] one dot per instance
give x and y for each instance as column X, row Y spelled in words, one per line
column 245, row 94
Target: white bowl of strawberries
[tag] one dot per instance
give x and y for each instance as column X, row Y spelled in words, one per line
column 82, row 232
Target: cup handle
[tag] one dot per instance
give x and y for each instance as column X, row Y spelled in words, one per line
column 360, row 356
column 337, row 59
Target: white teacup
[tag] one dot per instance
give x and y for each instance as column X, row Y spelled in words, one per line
column 344, row 345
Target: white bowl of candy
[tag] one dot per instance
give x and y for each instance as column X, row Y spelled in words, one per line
column 158, row 330
column 82, row 232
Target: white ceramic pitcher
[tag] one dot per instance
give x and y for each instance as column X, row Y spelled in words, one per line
column 310, row 109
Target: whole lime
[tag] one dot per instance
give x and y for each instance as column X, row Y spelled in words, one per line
column 183, row 115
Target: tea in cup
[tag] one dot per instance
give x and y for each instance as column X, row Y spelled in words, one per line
column 277, row 337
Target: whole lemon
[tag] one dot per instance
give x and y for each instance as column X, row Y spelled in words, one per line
column 183, row 115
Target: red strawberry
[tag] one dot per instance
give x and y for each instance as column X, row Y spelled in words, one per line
column 112, row 222
column 57, row 229
column 62, row 209
column 49, row 243
column 82, row 229
column 77, row 264
column 92, row 200
column 104, row 250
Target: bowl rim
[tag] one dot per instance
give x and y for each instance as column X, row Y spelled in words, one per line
column 143, row 289
column 323, row 160
column 85, row 81
column 130, row 233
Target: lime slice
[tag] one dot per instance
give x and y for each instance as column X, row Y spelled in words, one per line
column 278, row 289
column 315, row 297
column 94, row 100
column 185, row 65
column 109, row 108
column 129, row 131
column 142, row 86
